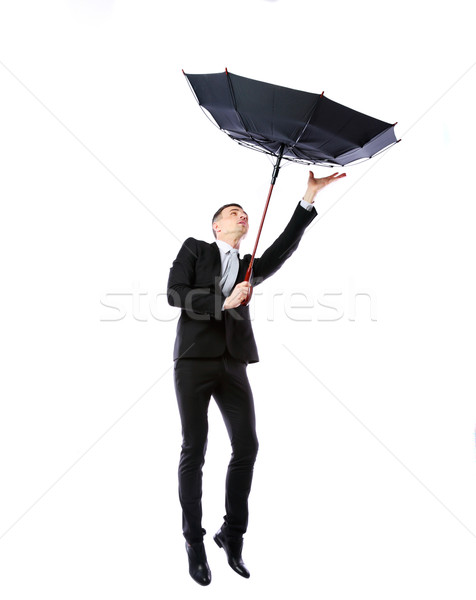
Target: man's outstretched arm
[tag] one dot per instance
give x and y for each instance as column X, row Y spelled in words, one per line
column 284, row 246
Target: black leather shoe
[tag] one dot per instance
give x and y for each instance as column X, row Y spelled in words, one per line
column 233, row 548
column 197, row 563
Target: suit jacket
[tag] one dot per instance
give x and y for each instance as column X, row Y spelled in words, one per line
column 203, row 329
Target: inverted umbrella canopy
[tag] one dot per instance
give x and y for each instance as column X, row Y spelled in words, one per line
column 307, row 128
column 288, row 124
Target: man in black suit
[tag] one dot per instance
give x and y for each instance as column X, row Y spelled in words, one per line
column 213, row 347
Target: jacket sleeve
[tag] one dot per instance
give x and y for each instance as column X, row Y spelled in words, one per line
column 284, row 246
column 182, row 291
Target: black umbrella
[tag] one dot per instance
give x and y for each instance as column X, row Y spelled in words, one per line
column 288, row 124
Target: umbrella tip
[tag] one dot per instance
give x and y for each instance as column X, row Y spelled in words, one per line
column 226, row 70
column 322, row 94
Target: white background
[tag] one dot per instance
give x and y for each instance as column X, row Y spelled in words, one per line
column 365, row 480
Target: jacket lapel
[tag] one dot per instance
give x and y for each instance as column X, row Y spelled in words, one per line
column 215, row 261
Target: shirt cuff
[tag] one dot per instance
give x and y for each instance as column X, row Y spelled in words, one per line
column 307, row 205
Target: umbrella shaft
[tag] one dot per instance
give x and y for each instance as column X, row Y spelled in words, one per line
column 250, row 268
column 273, row 181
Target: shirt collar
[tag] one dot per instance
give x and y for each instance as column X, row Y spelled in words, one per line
column 224, row 246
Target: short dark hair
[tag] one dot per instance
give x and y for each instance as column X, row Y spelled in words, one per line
column 217, row 215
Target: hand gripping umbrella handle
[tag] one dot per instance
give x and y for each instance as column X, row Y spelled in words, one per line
column 271, row 187
column 247, row 300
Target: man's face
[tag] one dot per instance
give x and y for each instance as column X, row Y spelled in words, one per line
column 233, row 221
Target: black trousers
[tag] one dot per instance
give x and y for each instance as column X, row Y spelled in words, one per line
column 196, row 381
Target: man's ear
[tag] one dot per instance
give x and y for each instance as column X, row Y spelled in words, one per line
column 216, row 227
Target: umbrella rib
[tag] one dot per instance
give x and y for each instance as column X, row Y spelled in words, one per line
column 253, row 143
column 233, row 99
column 372, row 140
column 306, row 161
column 203, row 109
column 213, row 122
column 250, row 136
column 291, row 148
column 316, row 106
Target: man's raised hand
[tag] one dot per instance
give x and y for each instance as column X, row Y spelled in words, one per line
column 316, row 184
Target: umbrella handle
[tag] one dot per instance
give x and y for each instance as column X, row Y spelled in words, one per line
column 247, row 300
